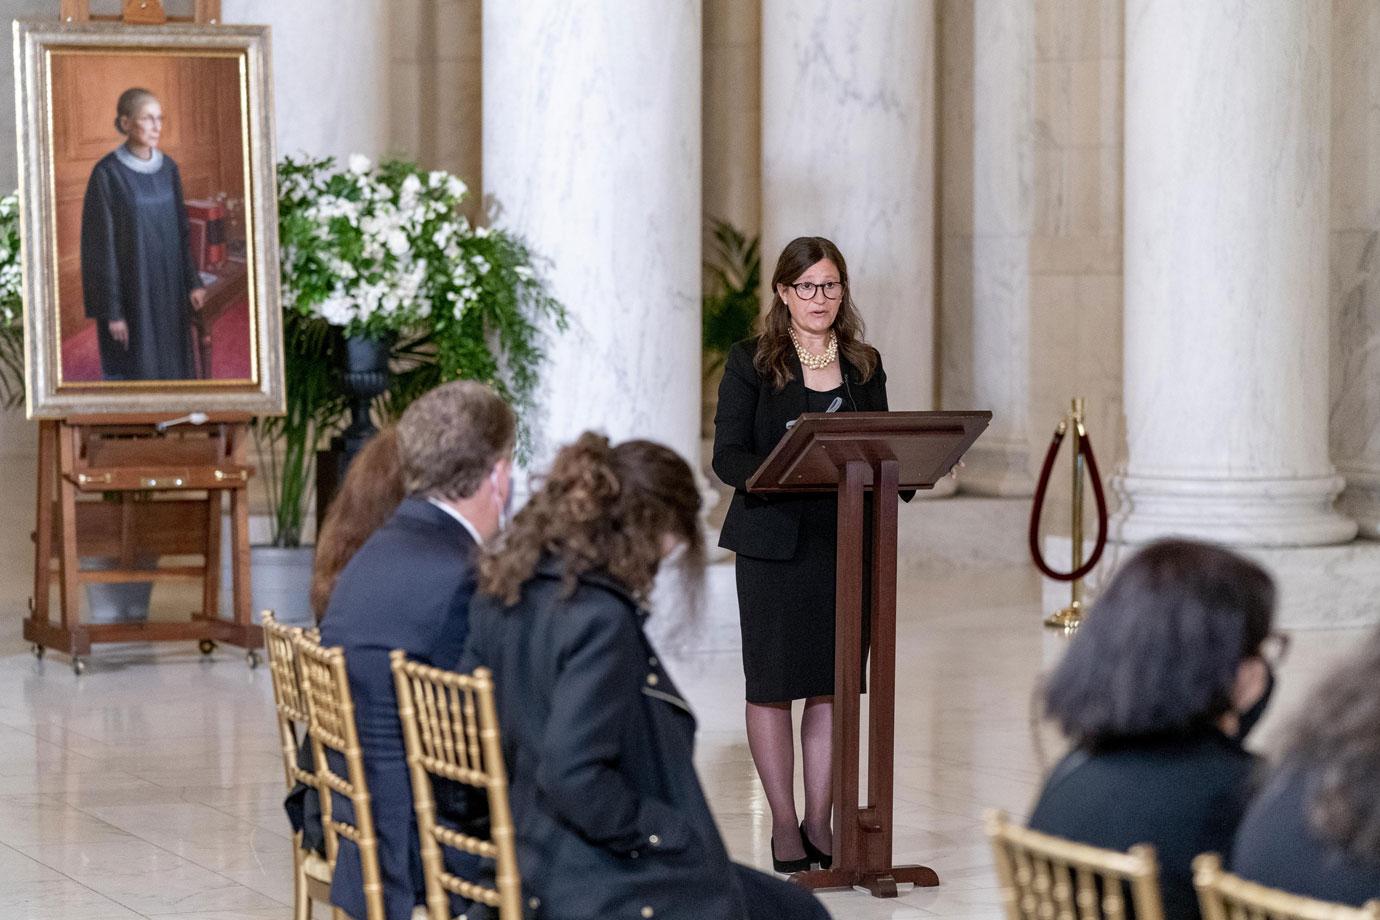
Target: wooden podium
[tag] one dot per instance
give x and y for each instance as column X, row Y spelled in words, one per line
column 851, row 453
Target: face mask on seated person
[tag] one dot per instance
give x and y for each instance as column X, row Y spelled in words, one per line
column 1252, row 714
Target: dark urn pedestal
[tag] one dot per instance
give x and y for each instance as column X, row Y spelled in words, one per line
column 364, row 376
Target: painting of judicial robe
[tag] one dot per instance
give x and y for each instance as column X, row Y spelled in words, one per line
column 137, row 266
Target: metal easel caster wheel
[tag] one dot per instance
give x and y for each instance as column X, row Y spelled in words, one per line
column 207, row 646
column 38, row 651
column 254, row 659
column 78, row 666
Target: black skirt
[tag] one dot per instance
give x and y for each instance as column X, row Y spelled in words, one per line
column 786, row 609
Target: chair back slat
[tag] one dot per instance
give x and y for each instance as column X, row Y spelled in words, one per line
column 289, row 699
column 335, row 739
column 1224, row 896
column 1048, row 878
column 450, row 731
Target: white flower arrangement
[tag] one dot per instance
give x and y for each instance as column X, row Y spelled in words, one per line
column 375, row 248
column 11, row 305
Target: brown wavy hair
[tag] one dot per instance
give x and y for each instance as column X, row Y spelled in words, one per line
column 774, row 347
column 1338, row 741
column 372, row 491
column 602, row 509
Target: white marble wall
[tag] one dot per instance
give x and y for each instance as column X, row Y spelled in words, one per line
column 592, row 150
column 330, row 72
column 435, row 98
column 732, row 105
column 1355, row 264
column 1226, row 273
column 848, row 153
column 1003, row 53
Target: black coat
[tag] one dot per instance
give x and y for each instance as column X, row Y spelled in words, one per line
column 408, row 587
column 1276, row 846
column 137, row 267
column 611, row 819
column 1183, row 795
column 749, row 422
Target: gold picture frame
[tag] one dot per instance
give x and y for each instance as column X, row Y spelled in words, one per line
column 151, row 284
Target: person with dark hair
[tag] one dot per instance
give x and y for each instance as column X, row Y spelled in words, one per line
column 372, row 491
column 1156, row 692
column 1315, row 828
column 409, row 587
column 139, row 280
column 611, row 819
column 809, row 357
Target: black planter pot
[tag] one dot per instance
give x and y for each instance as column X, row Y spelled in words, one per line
column 363, row 375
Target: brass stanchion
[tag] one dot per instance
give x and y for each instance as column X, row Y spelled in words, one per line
column 1084, row 463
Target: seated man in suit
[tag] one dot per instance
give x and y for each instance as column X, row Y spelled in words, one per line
column 409, row 587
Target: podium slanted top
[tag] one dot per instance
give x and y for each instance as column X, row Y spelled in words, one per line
column 812, row 456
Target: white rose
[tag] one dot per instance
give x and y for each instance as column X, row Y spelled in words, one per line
column 397, row 243
column 360, row 164
column 336, row 311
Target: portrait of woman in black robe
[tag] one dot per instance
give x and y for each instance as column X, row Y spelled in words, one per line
column 139, row 280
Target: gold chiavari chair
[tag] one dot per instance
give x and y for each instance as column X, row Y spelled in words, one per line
column 450, row 731
column 1049, row 878
column 311, row 876
column 1223, row 896
column 331, row 728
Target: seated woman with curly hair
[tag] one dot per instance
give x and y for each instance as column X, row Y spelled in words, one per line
column 611, row 819
column 1315, row 829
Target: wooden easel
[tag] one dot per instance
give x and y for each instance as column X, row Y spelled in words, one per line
column 184, row 473
column 141, row 12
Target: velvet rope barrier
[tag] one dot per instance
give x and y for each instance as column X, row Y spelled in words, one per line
column 1085, row 449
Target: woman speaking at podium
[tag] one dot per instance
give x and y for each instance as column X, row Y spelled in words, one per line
column 809, row 357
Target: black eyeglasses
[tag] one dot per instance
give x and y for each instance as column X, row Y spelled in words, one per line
column 805, row 290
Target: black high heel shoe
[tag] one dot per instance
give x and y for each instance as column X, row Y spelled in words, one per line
column 814, row 853
column 788, row 866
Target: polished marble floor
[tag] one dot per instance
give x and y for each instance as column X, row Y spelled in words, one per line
column 150, row 786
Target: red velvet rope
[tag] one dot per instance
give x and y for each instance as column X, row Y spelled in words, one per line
column 1085, row 448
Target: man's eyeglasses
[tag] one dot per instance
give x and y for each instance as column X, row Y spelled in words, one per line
column 805, row 290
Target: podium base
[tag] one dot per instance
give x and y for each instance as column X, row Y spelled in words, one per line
column 881, row 883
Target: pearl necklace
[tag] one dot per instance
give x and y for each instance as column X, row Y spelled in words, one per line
column 816, row 362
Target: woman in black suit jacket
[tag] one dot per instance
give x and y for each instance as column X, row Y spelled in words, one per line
column 1156, row 692
column 611, row 819
column 1315, row 829
column 810, row 357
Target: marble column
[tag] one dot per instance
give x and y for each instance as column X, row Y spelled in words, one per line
column 1354, row 260
column 1226, row 261
column 330, row 67
column 1003, row 138
column 592, row 152
column 848, row 154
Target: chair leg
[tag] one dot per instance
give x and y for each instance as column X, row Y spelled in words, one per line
column 301, row 897
column 301, row 901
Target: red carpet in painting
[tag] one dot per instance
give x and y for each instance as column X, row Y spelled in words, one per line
column 81, row 358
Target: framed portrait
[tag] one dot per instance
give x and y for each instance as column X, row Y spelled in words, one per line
column 149, row 219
